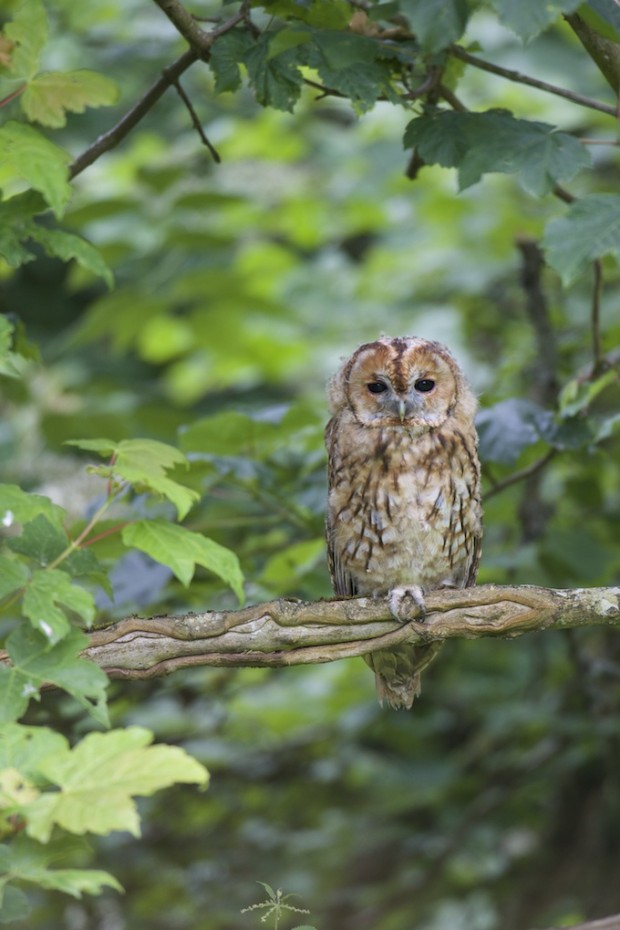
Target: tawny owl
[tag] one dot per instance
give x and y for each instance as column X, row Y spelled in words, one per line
column 404, row 514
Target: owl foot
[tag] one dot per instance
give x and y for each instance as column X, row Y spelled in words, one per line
column 406, row 603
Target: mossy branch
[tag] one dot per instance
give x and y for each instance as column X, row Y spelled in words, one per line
column 288, row 632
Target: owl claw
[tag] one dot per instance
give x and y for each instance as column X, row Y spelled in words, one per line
column 406, row 603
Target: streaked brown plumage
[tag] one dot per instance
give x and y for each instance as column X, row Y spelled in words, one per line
column 404, row 514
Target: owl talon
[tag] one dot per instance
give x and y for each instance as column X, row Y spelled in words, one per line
column 406, row 603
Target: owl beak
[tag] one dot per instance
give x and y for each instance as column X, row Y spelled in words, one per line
column 402, row 409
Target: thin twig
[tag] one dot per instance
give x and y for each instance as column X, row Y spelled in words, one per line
column 451, row 98
column 196, row 122
column 562, row 194
column 521, row 475
column 112, row 137
column 596, row 317
column 13, row 95
column 545, row 385
column 519, row 78
column 188, row 27
column 605, row 923
column 201, row 43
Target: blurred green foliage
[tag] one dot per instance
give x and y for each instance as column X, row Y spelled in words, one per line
column 237, row 288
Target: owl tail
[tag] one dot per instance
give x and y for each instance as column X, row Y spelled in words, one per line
column 398, row 671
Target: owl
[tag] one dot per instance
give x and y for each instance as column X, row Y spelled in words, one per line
column 404, row 514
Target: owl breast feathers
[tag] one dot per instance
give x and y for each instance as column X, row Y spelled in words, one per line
column 404, row 485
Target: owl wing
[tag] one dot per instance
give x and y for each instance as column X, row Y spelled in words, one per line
column 342, row 582
column 472, row 574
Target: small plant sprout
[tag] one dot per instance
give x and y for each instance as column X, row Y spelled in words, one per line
column 275, row 905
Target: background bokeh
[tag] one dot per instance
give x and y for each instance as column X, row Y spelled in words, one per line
column 239, row 286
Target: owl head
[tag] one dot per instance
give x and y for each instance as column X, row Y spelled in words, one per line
column 402, row 382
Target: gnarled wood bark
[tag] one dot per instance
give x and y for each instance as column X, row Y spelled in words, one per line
column 288, row 632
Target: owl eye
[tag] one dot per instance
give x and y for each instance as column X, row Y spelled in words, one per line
column 424, row 385
column 377, row 387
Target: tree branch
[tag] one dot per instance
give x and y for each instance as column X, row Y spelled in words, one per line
column 521, row 475
column 287, row 632
column 605, row 923
column 519, row 78
column 200, row 42
column 595, row 317
column 112, row 137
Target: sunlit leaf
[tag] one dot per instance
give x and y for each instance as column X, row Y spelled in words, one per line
column 27, row 155
column 28, row 30
column 52, row 94
column 19, row 506
column 98, row 779
column 144, row 463
column 181, row 549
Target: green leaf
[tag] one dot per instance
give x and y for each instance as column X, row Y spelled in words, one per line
column 590, row 229
column 436, row 25
column 14, row 905
column 67, row 246
column 603, row 16
column 276, row 80
column 28, row 30
column 34, row 662
column 53, row 93
column 28, row 156
column 349, row 64
column 328, row 14
column 229, row 433
column 181, row 550
column 477, row 143
column 226, row 55
column 143, row 463
column 46, row 590
column 11, row 363
column 99, row 777
column 527, row 18
column 13, row 575
column 509, row 427
column 28, row 862
column 18, row 506
column 286, row 39
column 21, row 747
column 284, row 569
column 577, row 395
column 40, row 540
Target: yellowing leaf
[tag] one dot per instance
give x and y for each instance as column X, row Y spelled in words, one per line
column 99, row 777
column 50, row 95
column 182, row 550
column 28, row 156
column 6, row 49
column 28, row 31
